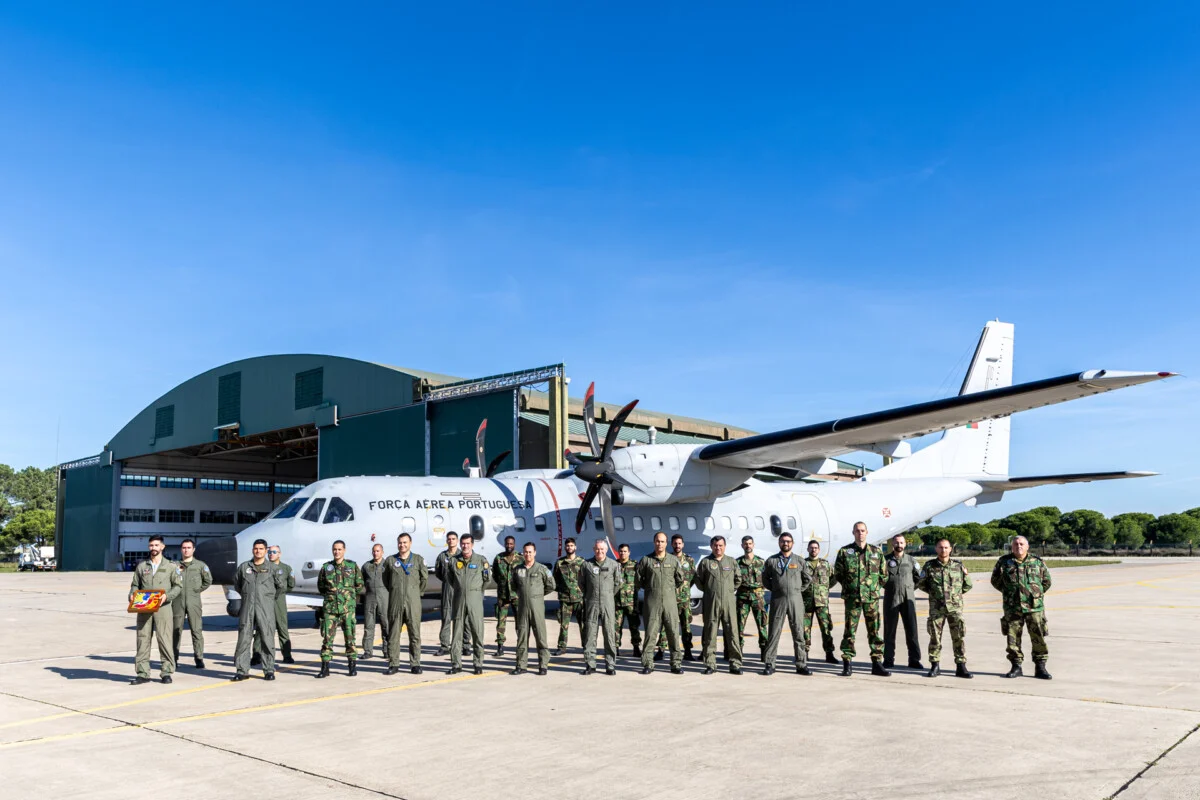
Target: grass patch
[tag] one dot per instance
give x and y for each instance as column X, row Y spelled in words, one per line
column 8, row 566
column 978, row 565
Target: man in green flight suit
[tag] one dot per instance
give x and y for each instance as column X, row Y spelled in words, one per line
column 468, row 573
column 660, row 577
column 751, row 599
column 196, row 578
column 600, row 580
column 718, row 577
column 861, row 570
column 786, row 576
column 441, row 569
column 531, row 582
column 156, row 572
column 259, row 582
column 1023, row 580
column 502, row 573
column 683, row 602
column 627, row 601
column 816, row 600
column 945, row 580
column 339, row 583
column 406, row 578
column 281, row 622
column 570, row 596
column 375, row 604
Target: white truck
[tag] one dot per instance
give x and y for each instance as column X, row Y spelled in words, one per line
column 32, row 557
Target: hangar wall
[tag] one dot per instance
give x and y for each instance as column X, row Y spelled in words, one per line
column 388, row 442
column 452, row 427
column 86, row 519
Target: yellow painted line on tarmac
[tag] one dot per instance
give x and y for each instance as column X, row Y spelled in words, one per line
column 249, row 710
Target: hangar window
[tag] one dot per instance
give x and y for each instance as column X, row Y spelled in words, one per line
column 618, row 523
column 218, row 484
column 290, row 509
column 691, row 523
column 216, row 517
column 288, row 488
column 539, row 523
column 709, row 524
column 229, row 398
column 791, row 523
column 250, row 517
column 171, row 515
column 254, row 486
column 408, row 525
column 726, row 524
column 310, row 388
column 656, row 523
column 314, row 511
column 637, row 523
column 136, row 515
column 176, row 483
column 139, row 480
column 673, row 523
column 520, row 523
column 339, row 511
column 759, row 524
column 164, row 422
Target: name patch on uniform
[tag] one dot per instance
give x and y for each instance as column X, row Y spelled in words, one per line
column 521, row 571
column 726, row 569
column 791, row 566
column 472, row 566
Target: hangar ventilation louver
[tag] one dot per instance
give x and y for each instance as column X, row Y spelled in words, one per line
column 310, row 387
column 229, row 398
column 164, row 422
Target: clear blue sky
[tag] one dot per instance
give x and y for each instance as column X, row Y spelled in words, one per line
column 760, row 215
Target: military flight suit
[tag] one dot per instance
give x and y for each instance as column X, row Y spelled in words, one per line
column 719, row 579
column 502, row 573
column 570, row 596
column 1023, row 585
column 786, row 579
column 627, row 604
column 660, row 580
column 751, row 600
column 816, row 603
column 468, row 577
column 375, row 608
column 339, row 585
column 900, row 604
column 945, row 584
column 440, row 566
column 683, row 606
column 259, row 585
column 406, row 582
column 159, row 625
column 281, row 620
column 530, row 586
column 861, row 572
column 196, row 577
column 600, row 582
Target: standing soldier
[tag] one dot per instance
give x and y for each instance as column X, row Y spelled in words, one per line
column 570, row 596
column 156, row 572
column 660, row 577
column 375, row 604
column 627, row 602
column 786, row 577
column 281, row 624
column 750, row 596
column 600, row 580
column 339, row 583
column 683, row 602
column 1023, row 580
column 900, row 603
column 816, row 600
column 441, row 569
column 195, row 579
column 468, row 573
column 718, row 577
column 531, row 582
column 259, row 582
column 945, row 580
column 502, row 573
column 405, row 577
column 860, row 569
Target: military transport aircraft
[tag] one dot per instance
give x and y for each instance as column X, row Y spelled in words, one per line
column 696, row 490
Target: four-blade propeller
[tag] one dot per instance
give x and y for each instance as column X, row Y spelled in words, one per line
column 597, row 469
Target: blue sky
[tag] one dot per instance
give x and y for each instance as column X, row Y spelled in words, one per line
column 765, row 215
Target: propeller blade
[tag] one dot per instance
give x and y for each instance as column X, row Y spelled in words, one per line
column 491, row 470
column 589, row 418
column 585, row 505
column 467, row 466
column 572, row 459
column 614, row 428
column 480, row 437
column 615, row 477
column 606, row 509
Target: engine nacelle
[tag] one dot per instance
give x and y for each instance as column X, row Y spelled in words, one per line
column 668, row 473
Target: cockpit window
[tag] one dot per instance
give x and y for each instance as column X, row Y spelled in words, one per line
column 314, row 511
column 339, row 511
column 290, row 509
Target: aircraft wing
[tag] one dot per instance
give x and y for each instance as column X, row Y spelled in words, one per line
column 846, row 435
column 1007, row 484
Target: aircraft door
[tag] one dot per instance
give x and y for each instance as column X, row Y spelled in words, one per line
column 814, row 522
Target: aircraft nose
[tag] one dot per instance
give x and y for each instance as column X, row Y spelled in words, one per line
column 221, row 557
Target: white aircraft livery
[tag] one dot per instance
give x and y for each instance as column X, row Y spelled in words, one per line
column 698, row 491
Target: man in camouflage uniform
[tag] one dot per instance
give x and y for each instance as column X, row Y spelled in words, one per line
column 718, row 577
column 1023, row 580
column 627, row 602
column 660, row 576
column 945, row 580
column 156, row 572
column 405, row 577
column 750, row 595
column 196, row 578
column 259, row 582
column 440, row 567
column 683, row 602
column 502, row 573
column 375, row 604
column 468, row 573
column 339, row 583
column 570, row 596
column 816, row 601
column 861, row 570
column 531, row 582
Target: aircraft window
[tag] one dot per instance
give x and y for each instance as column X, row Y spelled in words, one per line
column 743, row 523
column 599, row 522
column 791, row 523
column 314, row 511
column 673, row 523
column 691, row 523
column 709, row 524
column 290, row 509
column 726, row 524
column 618, row 523
column 637, row 523
column 539, row 523
column 408, row 525
column 776, row 525
column 520, row 523
column 339, row 511
column 477, row 528
column 759, row 524
column 655, row 523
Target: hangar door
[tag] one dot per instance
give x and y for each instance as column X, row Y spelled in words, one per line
column 388, row 442
column 452, row 427
column 85, row 520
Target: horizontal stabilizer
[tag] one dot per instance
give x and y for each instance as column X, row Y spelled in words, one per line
column 1009, row 484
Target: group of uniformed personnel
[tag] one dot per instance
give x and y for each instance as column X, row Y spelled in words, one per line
column 601, row 594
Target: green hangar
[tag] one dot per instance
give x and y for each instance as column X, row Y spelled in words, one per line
column 219, row 451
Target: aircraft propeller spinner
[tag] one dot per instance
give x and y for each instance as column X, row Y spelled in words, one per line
column 493, row 465
column 597, row 469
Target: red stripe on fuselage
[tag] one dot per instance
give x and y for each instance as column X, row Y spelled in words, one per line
column 557, row 515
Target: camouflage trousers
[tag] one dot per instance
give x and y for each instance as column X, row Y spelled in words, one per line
column 872, row 616
column 938, row 618
column 330, row 623
column 1011, row 625
column 824, row 622
column 630, row 613
column 565, row 612
column 685, row 628
column 752, row 605
column 503, row 607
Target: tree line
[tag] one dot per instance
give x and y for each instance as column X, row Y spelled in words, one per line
column 27, row 503
column 1082, row 528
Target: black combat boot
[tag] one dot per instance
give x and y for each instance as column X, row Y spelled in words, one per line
column 166, row 679
column 877, row 668
column 324, row 673
column 647, row 670
column 415, row 670
column 637, row 651
column 707, row 670
column 541, row 670
column 499, row 650
column 442, row 650
column 518, row 671
column 287, row 653
column 268, row 676
column 847, row 669
column 676, row 669
column 1039, row 671
column 610, row 671
column 479, row 670
column 1015, row 672
column 241, row 677
column 735, row 670
column 769, row 669
column 803, row 670
column 353, row 668
column 935, row 669
column 687, row 655
column 364, row 655
column 829, row 657
column 658, row 655
column 199, row 663
column 961, row 671
column 391, row 670
column 915, row 665
column 454, row 670
column 256, row 659
column 562, row 651
column 889, row 664
column 589, row 670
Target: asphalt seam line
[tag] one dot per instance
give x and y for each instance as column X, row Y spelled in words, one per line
column 1149, row 766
